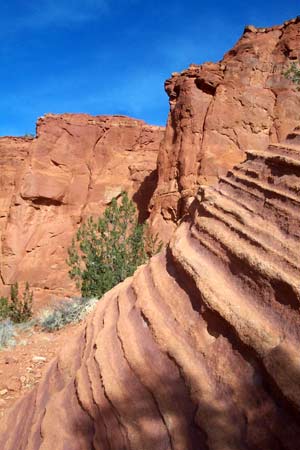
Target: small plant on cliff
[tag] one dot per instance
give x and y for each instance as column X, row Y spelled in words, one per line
column 17, row 309
column 293, row 74
column 109, row 249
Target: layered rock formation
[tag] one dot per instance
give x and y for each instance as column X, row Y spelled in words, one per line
column 217, row 111
column 48, row 185
column 200, row 348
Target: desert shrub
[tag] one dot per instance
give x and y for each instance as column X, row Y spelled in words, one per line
column 7, row 332
column 4, row 308
column 21, row 308
column 293, row 73
column 17, row 309
column 109, row 249
column 68, row 311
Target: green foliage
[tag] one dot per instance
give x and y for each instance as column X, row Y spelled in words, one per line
column 4, row 308
column 293, row 73
column 109, row 249
column 16, row 309
column 29, row 136
column 68, row 311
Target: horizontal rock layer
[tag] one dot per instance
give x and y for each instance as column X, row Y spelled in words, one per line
column 218, row 111
column 200, row 348
column 48, row 185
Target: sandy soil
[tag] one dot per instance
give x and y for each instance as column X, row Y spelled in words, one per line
column 22, row 366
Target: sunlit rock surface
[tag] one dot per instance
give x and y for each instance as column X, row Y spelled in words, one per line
column 218, row 111
column 48, row 185
column 200, row 348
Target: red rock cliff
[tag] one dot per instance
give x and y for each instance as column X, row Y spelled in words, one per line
column 50, row 184
column 217, row 111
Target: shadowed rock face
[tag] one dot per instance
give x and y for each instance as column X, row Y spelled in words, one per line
column 217, row 111
column 200, row 348
column 48, row 185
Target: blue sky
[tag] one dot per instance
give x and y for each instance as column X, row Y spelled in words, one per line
column 111, row 56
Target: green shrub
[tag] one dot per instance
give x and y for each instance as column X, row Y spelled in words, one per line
column 17, row 309
column 293, row 73
column 4, row 308
column 109, row 249
column 68, row 311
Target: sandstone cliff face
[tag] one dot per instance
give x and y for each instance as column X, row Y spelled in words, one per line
column 200, row 348
column 13, row 153
column 75, row 166
column 217, row 111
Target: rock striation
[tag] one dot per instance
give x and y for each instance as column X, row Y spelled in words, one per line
column 200, row 348
column 219, row 110
column 48, row 185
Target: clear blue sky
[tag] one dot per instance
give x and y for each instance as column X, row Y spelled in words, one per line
column 112, row 56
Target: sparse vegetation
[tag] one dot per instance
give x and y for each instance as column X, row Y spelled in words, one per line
column 7, row 333
column 17, row 309
column 109, row 249
column 293, row 74
column 68, row 311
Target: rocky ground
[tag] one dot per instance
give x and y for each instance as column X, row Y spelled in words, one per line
column 23, row 365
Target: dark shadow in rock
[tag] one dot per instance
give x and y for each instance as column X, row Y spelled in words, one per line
column 144, row 194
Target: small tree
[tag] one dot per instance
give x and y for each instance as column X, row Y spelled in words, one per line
column 20, row 309
column 107, row 250
column 293, row 74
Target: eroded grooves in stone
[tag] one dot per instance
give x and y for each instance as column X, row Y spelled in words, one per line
column 200, row 348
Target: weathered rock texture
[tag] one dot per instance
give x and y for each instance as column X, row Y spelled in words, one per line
column 200, row 349
column 217, row 111
column 73, row 169
column 13, row 152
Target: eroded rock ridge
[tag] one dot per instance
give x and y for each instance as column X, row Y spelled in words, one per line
column 200, row 348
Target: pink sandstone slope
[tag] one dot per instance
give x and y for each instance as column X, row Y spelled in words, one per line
column 200, row 348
